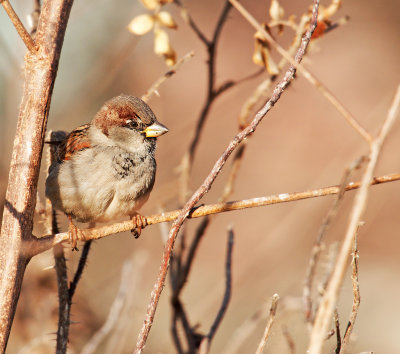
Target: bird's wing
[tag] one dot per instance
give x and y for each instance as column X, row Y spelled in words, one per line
column 76, row 141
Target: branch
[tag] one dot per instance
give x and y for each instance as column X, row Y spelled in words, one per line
column 23, row 33
column 153, row 89
column 306, row 73
column 356, row 299
column 42, row 244
column 329, row 300
column 205, row 187
column 316, row 249
column 39, row 76
column 271, row 318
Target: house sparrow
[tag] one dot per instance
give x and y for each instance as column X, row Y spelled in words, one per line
column 106, row 169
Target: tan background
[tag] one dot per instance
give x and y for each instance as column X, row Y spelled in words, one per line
column 303, row 143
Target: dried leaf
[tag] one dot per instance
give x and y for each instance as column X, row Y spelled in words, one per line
column 150, row 4
column 276, row 11
column 161, row 42
column 141, row 24
column 165, row 19
column 262, row 57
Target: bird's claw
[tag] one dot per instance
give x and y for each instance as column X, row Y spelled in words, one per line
column 140, row 223
column 74, row 234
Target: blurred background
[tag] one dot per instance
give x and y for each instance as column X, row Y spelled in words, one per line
column 303, row 143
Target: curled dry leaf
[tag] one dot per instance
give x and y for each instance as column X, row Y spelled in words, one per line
column 163, row 47
column 150, row 4
column 276, row 11
column 141, row 24
column 262, row 55
column 165, row 19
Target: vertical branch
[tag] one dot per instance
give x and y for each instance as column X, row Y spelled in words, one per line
column 39, row 76
column 356, row 299
column 329, row 300
column 60, row 263
column 271, row 318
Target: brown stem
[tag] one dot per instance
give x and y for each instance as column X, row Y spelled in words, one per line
column 23, row 33
column 205, row 187
column 40, row 72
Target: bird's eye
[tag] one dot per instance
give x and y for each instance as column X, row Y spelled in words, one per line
column 131, row 124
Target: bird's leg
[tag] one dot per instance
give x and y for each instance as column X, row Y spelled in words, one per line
column 140, row 223
column 73, row 233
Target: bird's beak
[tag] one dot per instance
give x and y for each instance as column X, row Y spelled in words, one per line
column 154, row 130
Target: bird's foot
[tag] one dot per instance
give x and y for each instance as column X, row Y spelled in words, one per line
column 140, row 223
column 74, row 234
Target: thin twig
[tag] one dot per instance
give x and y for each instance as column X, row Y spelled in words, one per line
column 289, row 339
column 356, row 299
column 115, row 311
column 206, row 342
column 338, row 336
column 23, row 33
column 305, row 72
column 60, row 263
column 271, row 318
column 329, row 300
column 316, row 250
column 153, row 89
column 228, row 287
column 244, row 331
column 206, row 185
column 39, row 245
column 212, row 93
column 79, row 270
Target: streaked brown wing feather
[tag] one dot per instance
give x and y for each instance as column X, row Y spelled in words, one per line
column 76, row 141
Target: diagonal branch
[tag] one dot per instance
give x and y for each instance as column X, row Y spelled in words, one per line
column 205, row 187
column 23, row 33
column 306, row 73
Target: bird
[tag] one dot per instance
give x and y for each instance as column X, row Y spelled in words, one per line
column 105, row 170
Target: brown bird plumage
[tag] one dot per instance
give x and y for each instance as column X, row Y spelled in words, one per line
column 106, row 169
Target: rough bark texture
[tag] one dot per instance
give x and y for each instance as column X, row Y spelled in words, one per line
column 39, row 75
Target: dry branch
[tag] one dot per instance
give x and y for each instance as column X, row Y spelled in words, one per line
column 23, row 33
column 271, row 318
column 305, row 72
column 39, row 245
column 205, row 187
column 329, row 300
column 39, row 75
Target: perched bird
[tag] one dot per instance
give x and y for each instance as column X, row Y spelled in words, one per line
column 106, row 169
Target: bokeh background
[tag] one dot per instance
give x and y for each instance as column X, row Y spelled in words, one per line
column 303, row 143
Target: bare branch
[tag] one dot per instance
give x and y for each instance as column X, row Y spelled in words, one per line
column 228, row 287
column 329, row 300
column 271, row 318
column 305, row 72
column 307, row 298
column 153, row 89
column 356, row 299
column 39, row 76
column 23, row 33
column 205, row 187
column 39, row 245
